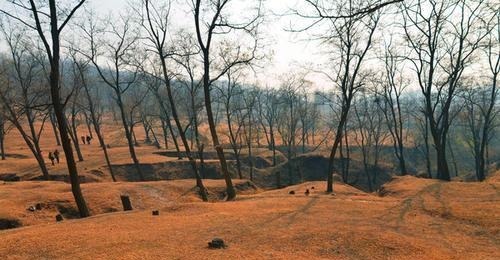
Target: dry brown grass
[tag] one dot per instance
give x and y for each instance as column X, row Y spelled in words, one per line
column 417, row 219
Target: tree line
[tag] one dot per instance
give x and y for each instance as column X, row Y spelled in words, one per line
column 421, row 87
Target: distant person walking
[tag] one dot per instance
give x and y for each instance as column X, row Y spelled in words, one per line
column 51, row 158
column 88, row 139
column 83, row 139
column 56, row 155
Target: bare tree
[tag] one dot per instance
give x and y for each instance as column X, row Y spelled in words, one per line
column 288, row 117
column 118, row 46
column 156, row 24
column 480, row 103
column 81, row 70
column 75, row 87
column 250, row 101
column 212, row 19
column 4, row 129
column 442, row 36
column 185, row 57
column 268, row 109
column 3, row 132
column 24, row 98
column 370, row 134
column 393, row 85
column 352, row 29
column 36, row 16
column 231, row 97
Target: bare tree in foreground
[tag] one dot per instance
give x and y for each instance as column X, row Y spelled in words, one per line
column 56, row 18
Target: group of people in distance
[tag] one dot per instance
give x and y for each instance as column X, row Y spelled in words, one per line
column 86, row 138
column 54, row 156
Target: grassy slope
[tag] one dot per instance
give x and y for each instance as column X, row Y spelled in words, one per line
column 416, row 218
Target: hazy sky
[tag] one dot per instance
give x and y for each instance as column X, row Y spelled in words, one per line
column 290, row 50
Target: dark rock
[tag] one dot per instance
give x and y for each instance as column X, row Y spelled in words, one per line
column 312, row 188
column 156, row 212
column 217, row 243
column 59, row 218
column 292, row 192
column 38, row 206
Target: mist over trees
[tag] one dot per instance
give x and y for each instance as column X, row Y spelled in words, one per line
column 409, row 85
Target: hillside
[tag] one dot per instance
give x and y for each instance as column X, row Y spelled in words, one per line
column 413, row 219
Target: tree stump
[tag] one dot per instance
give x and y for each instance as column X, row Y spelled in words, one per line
column 126, row 203
column 156, row 212
column 59, row 218
column 217, row 243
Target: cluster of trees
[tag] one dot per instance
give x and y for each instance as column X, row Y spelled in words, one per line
column 431, row 85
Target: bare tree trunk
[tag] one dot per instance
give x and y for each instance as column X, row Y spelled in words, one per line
column 273, row 144
column 249, row 143
column 453, row 161
column 95, row 121
column 167, row 122
column 427, row 149
column 165, row 133
column 336, row 142
column 59, row 108
column 192, row 161
column 128, row 135
column 2, row 138
column 88, row 122
column 54, row 127
column 74, row 131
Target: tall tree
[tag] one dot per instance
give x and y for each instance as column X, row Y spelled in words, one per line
column 442, row 37
column 156, row 25
column 480, row 102
column 213, row 18
column 81, row 70
column 24, row 99
column 118, row 45
column 393, row 85
column 30, row 14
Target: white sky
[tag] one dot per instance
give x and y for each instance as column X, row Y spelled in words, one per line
column 291, row 53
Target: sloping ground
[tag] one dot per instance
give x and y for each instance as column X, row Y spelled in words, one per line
column 55, row 197
column 494, row 177
column 416, row 219
column 312, row 167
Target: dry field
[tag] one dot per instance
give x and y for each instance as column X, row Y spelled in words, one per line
column 409, row 218
column 414, row 219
